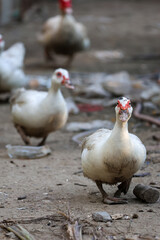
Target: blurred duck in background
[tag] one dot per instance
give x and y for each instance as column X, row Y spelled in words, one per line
column 37, row 113
column 2, row 44
column 11, row 66
column 63, row 34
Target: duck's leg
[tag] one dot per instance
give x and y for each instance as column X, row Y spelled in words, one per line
column 22, row 134
column 106, row 198
column 43, row 141
column 123, row 187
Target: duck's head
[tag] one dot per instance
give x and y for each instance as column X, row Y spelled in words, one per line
column 123, row 109
column 2, row 43
column 65, row 6
column 61, row 77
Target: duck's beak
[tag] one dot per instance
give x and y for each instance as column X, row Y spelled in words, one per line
column 66, row 82
column 69, row 85
column 123, row 115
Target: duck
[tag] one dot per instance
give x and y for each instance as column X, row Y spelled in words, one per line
column 38, row 113
column 63, row 35
column 11, row 66
column 2, row 44
column 113, row 156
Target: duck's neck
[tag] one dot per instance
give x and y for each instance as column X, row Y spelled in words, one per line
column 64, row 13
column 120, row 131
column 54, row 89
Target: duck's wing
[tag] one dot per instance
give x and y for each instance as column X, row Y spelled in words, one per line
column 100, row 135
column 22, row 96
column 49, row 30
column 15, row 55
column 139, row 145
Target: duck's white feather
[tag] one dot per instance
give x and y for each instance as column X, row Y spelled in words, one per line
column 111, row 157
column 37, row 113
column 11, row 64
column 33, row 109
column 62, row 31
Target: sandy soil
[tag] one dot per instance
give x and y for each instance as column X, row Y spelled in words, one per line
column 54, row 183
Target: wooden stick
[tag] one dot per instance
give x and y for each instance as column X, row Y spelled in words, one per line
column 144, row 117
column 146, row 193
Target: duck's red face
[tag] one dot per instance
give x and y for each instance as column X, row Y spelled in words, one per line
column 123, row 105
column 124, row 109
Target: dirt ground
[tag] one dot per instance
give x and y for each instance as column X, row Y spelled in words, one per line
column 55, row 183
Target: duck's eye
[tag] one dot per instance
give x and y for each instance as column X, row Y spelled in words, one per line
column 59, row 74
column 129, row 103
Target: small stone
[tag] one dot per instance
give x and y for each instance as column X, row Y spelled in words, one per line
column 108, row 224
column 101, row 217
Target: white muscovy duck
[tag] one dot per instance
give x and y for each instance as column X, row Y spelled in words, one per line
column 37, row 113
column 11, row 64
column 63, row 34
column 113, row 156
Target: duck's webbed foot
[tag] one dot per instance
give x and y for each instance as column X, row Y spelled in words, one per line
column 106, row 198
column 22, row 134
column 114, row 200
column 123, row 187
column 43, row 141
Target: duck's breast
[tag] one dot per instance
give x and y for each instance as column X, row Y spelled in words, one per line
column 26, row 110
column 112, row 162
column 92, row 159
column 49, row 31
column 53, row 123
column 39, row 113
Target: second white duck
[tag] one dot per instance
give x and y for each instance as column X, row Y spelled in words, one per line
column 11, row 66
column 37, row 113
column 113, row 156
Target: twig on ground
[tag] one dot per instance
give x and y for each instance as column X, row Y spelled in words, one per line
column 144, row 117
column 79, row 184
column 31, row 220
column 19, row 231
column 80, row 171
column 74, row 231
